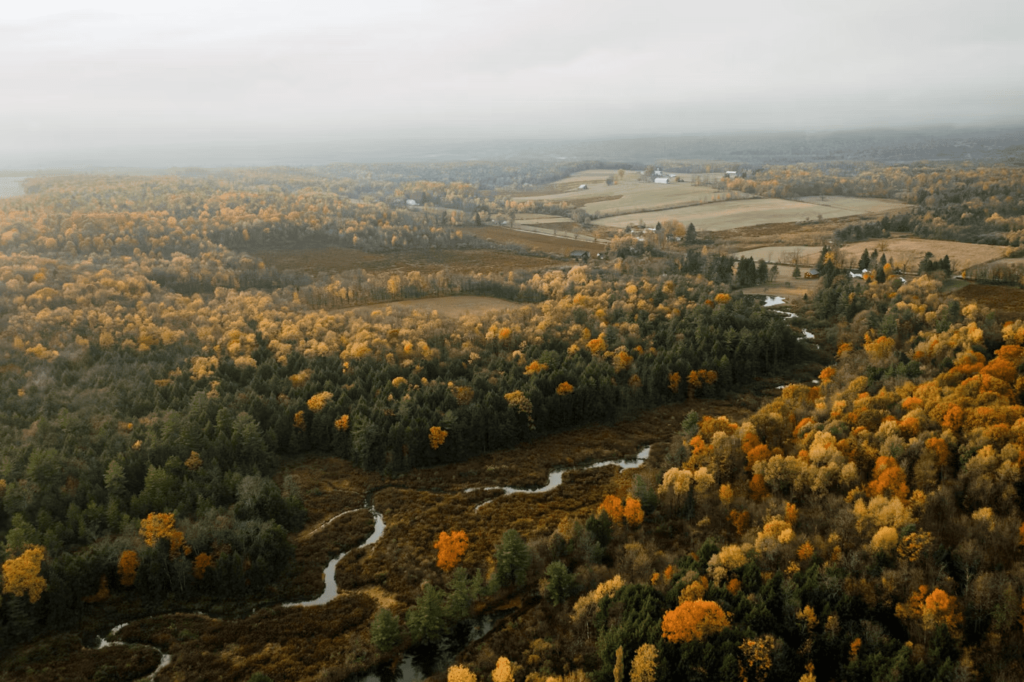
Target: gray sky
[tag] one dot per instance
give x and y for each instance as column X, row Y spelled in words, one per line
column 81, row 78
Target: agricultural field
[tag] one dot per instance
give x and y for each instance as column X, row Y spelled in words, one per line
column 534, row 241
column 446, row 306
column 629, row 195
column 783, row 254
column 324, row 259
column 909, row 252
column 728, row 215
column 859, row 205
column 906, row 253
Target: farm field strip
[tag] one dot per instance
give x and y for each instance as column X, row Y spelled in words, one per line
column 629, row 195
column 911, row 251
column 787, row 255
column 859, row 204
column 728, row 215
column 904, row 251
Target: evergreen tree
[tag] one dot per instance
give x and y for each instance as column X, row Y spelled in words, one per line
column 511, row 559
column 559, row 584
column 385, row 630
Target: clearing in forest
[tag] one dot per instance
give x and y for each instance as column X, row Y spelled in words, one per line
column 321, row 259
column 446, row 306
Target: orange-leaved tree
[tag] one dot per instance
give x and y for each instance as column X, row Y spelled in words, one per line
column 157, row 526
column 693, row 620
column 127, row 565
column 613, row 507
column 21, row 575
column 450, row 549
column 633, row 512
column 203, row 562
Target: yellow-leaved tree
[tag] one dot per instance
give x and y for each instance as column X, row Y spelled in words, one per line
column 458, row 673
column 645, row 664
column 437, row 437
column 22, row 574
column 503, row 671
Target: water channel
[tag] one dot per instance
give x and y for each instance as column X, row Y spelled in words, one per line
column 423, row 661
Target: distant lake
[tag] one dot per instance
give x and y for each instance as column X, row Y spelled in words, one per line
column 11, row 187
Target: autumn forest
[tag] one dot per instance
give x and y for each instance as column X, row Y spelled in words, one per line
column 656, row 459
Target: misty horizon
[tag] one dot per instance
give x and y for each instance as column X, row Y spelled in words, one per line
column 190, row 84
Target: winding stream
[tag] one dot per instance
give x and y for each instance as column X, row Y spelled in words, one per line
column 330, row 584
column 770, row 301
column 555, row 477
column 417, row 666
column 165, row 659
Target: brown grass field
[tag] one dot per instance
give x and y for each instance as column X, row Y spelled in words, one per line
column 1006, row 301
column 446, row 306
column 330, row 259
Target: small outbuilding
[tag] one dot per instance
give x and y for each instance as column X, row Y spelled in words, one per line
column 581, row 256
column 661, row 180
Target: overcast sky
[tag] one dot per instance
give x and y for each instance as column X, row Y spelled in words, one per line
column 79, row 79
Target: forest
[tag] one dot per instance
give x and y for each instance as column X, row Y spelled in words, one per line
column 166, row 393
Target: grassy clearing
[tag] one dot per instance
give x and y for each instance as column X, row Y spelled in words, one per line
column 332, row 259
column 785, row 286
column 447, row 306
